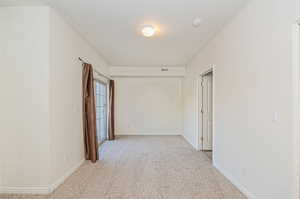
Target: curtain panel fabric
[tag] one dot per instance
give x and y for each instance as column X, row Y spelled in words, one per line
column 89, row 114
column 111, row 115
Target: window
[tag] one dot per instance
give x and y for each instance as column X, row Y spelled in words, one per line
column 101, row 110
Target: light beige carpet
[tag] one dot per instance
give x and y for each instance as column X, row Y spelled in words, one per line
column 145, row 167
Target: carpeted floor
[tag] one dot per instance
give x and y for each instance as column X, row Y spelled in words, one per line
column 208, row 154
column 145, row 167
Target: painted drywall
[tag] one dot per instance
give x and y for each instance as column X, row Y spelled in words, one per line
column 190, row 107
column 147, row 71
column 252, row 56
column 114, row 27
column 41, row 109
column 297, row 98
column 66, row 137
column 24, row 115
column 148, row 105
column 296, row 94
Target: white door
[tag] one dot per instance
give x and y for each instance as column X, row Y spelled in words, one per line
column 207, row 116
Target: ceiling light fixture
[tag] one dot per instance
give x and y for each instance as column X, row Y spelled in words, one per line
column 148, row 31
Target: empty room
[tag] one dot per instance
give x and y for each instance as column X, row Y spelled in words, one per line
column 150, row 99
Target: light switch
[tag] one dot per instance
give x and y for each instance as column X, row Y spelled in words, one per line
column 275, row 117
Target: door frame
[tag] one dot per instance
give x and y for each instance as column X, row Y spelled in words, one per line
column 199, row 130
column 201, row 136
column 296, row 102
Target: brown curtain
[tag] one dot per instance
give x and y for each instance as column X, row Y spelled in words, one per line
column 111, row 115
column 89, row 114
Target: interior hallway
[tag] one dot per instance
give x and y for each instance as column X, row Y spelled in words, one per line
column 145, row 167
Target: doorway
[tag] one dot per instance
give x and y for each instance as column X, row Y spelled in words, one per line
column 101, row 110
column 207, row 112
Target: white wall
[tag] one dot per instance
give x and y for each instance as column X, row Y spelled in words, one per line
column 296, row 94
column 24, row 115
column 67, row 45
column 297, row 98
column 148, row 106
column 41, row 117
column 253, row 80
column 190, row 107
column 146, row 71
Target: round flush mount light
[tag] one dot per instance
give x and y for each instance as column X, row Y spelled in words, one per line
column 148, row 31
column 197, row 22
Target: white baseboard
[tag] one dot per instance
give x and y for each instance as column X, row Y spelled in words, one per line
column 65, row 176
column 25, row 190
column 188, row 141
column 235, row 182
column 40, row 189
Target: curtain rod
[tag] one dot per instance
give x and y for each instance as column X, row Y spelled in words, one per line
column 82, row 61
